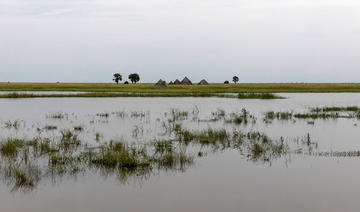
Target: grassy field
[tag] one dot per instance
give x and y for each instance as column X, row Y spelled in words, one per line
column 14, row 95
column 179, row 89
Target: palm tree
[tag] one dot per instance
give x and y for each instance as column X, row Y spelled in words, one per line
column 117, row 78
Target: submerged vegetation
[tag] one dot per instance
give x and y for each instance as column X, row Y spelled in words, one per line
column 180, row 138
column 335, row 109
column 349, row 112
column 57, row 116
column 12, row 124
column 244, row 117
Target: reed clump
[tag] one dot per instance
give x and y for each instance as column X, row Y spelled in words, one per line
column 271, row 115
column 10, row 147
column 335, row 109
column 57, row 115
column 166, row 155
column 24, row 177
column 118, row 155
column 244, row 117
column 12, row 124
column 50, row 127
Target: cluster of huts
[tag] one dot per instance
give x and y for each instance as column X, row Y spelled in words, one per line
column 185, row 81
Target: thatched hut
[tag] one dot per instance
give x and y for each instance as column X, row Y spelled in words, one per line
column 186, row 81
column 177, row 82
column 203, row 82
column 160, row 83
column 171, row 83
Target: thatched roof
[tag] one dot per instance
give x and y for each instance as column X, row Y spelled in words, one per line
column 171, row 83
column 177, row 82
column 203, row 82
column 161, row 83
column 186, row 81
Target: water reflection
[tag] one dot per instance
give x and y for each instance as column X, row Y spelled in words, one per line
column 55, row 151
column 25, row 163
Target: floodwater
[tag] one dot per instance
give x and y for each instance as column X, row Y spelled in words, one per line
column 300, row 179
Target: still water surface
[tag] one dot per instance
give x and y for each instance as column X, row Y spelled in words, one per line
column 220, row 181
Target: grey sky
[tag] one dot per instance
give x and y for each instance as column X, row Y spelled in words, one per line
column 258, row 40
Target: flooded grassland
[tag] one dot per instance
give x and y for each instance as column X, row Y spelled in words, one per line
column 180, row 154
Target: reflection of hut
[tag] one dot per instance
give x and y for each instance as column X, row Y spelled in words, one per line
column 161, row 83
column 177, row 82
column 203, row 82
column 171, row 83
column 186, row 81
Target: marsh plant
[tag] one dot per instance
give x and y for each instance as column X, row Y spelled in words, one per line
column 350, row 112
column 79, row 128
column 169, row 155
column 258, row 96
column 98, row 136
column 57, row 115
column 138, row 131
column 24, row 163
column 271, row 115
column 218, row 115
column 103, row 115
column 177, row 115
column 13, row 124
column 50, row 127
column 137, row 114
column 244, row 117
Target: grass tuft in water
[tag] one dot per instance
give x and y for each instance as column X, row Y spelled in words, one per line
column 244, row 117
column 50, row 127
column 57, row 115
column 10, row 147
column 12, row 124
column 103, row 115
column 79, row 128
column 118, row 155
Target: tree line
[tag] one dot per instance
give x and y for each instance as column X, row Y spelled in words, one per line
column 134, row 78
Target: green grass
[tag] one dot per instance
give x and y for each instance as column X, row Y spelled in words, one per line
column 15, row 95
column 336, row 109
column 79, row 128
column 167, row 156
column 50, row 127
column 69, row 140
column 258, row 96
column 11, row 147
column 118, row 155
column 212, row 88
column 244, row 90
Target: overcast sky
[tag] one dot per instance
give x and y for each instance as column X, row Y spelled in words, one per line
column 258, row 40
